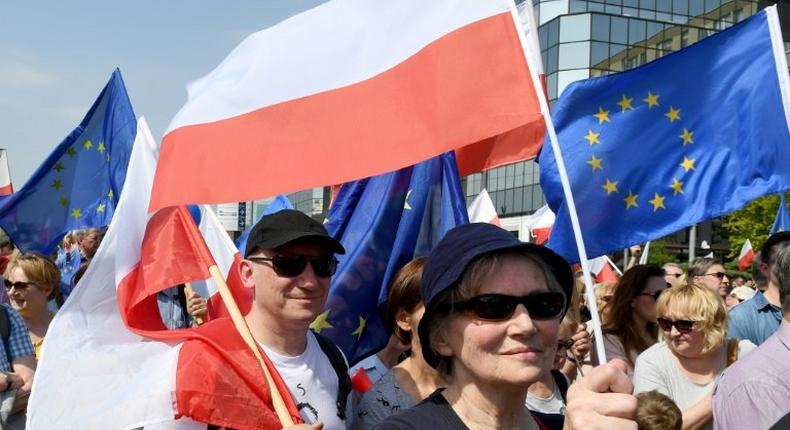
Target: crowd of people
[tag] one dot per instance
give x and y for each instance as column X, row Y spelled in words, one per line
column 485, row 332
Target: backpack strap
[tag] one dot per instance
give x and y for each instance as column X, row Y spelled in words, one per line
column 338, row 363
column 562, row 383
column 732, row 350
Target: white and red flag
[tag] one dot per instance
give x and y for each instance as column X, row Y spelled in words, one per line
column 108, row 361
column 482, row 209
column 350, row 89
column 6, row 188
column 540, row 224
column 746, row 255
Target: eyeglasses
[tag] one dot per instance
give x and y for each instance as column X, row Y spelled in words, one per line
column 682, row 326
column 500, row 307
column 290, row 266
column 655, row 294
column 719, row 275
column 19, row 286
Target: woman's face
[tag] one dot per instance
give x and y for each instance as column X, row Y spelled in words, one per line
column 688, row 344
column 644, row 304
column 28, row 301
column 514, row 351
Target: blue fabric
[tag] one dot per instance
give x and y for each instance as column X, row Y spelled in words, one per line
column 79, row 183
column 279, row 203
column 68, row 263
column 719, row 113
column 754, row 319
column 18, row 340
column 384, row 222
column 782, row 221
column 172, row 307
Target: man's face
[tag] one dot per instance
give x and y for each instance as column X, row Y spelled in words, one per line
column 296, row 299
column 90, row 243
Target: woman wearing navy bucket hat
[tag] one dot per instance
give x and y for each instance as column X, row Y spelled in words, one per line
column 493, row 307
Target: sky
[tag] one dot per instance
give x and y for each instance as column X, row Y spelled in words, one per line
column 55, row 57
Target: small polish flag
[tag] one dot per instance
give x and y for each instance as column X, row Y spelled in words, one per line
column 6, row 188
column 482, row 209
column 746, row 256
column 540, row 224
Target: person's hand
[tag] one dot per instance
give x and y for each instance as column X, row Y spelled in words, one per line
column 636, row 250
column 196, row 306
column 10, row 381
column 601, row 400
column 581, row 342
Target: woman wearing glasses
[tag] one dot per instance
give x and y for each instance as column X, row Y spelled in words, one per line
column 709, row 273
column 632, row 328
column 493, row 307
column 31, row 281
column 694, row 352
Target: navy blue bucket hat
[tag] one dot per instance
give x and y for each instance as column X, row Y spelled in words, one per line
column 460, row 247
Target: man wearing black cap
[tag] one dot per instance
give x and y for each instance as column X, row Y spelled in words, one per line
column 290, row 259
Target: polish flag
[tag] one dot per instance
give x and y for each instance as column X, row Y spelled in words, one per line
column 5, row 175
column 602, row 269
column 108, row 362
column 350, row 89
column 540, row 223
column 746, row 255
column 482, row 209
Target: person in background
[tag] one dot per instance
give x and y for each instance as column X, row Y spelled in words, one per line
column 674, row 274
column 634, row 304
column 739, row 295
column 758, row 318
column 604, row 294
column 759, row 280
column 378, row 364
column 412, row 380
column 657, row 412
column 694, row 352
column 754, row 393
column 709, row 273
column 88, row 240
column 180, row 308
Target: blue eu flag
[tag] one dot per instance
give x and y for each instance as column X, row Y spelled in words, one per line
column 782, row 221
column 691, row 136
column 78, row 185
column 384, row 222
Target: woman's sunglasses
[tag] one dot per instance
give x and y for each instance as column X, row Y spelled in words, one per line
column 500, row 307
column 682, row 326
column 290, row 266
column 19, row 286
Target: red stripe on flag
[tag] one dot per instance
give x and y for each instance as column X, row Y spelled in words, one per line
column 7, row 190
column 465, row 87
column 243, row 295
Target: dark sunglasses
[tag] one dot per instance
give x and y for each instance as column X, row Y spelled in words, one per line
column 682, row 326
column 500, row 307
column 655, row 294
column 20, row 286
column 719, row 275
column 290, row 266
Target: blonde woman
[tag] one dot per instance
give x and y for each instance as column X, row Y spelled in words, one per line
column 694, row 352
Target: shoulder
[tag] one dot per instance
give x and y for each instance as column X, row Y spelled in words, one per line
column 432, row 413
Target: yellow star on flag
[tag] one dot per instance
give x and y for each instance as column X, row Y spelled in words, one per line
column 76, row 213
column 687, row 137
column 687, row 164
column 101, row 148
column 110, row 195
column 57, row 184
column 88, row 144
column 100, row 208
column 625, row 103
column 630, row 200
column 651, row 100
column 321, row 322
column 602, row 115
column 677, row 187
column 595, row 163
column 657, row 202
column 361, row 327
column 63, row 201
column 673, row 114
column 58, row 167
column 592, row 137
column 406, row 201
column 71, row 152
column 610, row 186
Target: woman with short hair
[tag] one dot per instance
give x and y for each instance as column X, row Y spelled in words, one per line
column 694, row 352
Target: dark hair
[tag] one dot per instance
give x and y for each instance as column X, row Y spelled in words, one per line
column 621, row 323
column 770, row 248
column 781, row 272
column 760, row 280
column 404, row 294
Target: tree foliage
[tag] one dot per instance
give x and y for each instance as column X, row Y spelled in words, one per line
column 659, row 255
column 752, row 222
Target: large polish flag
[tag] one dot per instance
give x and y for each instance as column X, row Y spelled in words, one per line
column 350, row 89
column 482, row 209
column 108, row 362
column 6, row 188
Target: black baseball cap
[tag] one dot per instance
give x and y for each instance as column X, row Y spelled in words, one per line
column 286, row 226
column 460, row 247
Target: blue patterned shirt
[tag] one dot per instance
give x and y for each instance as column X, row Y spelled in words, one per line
column 18, row 340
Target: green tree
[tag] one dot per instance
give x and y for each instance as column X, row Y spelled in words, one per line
column 752, row 222
column 658, row 254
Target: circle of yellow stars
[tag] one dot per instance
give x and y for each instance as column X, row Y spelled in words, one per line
column 58, row 185
column 596, row 162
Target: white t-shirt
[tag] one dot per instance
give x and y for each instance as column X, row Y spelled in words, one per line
column 312, row 382
column 551, row 405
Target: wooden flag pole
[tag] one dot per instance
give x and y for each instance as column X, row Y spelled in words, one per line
column 244, row 331
column 190, row 291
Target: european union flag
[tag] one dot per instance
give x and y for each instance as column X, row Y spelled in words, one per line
column 782, row 221
column 691, row 136
column 78, row 185
column 384, row 222
column 279, row 203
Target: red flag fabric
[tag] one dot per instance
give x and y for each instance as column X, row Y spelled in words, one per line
column 746, row 255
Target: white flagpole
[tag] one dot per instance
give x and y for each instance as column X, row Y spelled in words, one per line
column 643, row 257
column 566, row 187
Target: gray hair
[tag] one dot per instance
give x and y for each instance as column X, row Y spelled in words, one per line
column 781, row 273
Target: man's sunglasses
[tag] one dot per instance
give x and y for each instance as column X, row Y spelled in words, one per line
column 290, row 266
column 719, row 275
column 682, row 326
column 20, row 286
column 500, row 307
